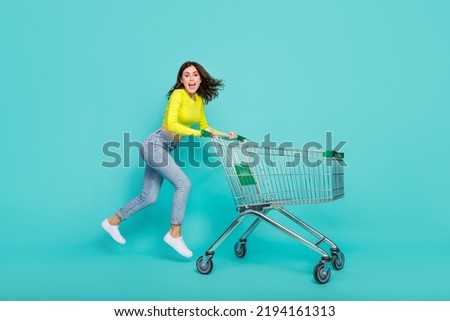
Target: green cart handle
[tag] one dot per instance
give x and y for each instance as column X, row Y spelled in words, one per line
column 206, row 133
column 333, row 153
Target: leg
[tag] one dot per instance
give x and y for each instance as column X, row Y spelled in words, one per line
column 149, row 194
column 157, row 156
column 175, row 230
column 173, row 173
column 182, row 186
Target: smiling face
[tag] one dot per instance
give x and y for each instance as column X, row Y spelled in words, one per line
column 191, row 80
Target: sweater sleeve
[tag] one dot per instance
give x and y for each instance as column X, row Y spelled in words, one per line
column 172, row 122
column 203, row 123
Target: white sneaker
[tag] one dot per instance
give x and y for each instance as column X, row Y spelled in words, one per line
column 178, row 245
column 113, row 231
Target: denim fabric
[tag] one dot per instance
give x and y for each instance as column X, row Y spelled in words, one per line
column 159, row 166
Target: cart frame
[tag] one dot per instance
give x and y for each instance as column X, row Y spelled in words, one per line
column 259, row 187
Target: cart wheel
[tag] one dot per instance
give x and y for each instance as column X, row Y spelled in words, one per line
column 320, row 275
column 338, row 260
column 206, row 268
column 240, row 249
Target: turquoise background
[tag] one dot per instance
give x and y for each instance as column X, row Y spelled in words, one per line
column 77, row 74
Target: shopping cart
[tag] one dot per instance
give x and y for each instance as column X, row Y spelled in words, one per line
column 263, row 179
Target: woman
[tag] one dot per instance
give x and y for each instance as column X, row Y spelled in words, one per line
column 194, row 88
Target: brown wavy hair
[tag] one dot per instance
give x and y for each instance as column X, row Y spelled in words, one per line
column 209, row 87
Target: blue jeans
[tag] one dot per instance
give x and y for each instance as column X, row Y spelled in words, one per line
column 159, row 166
